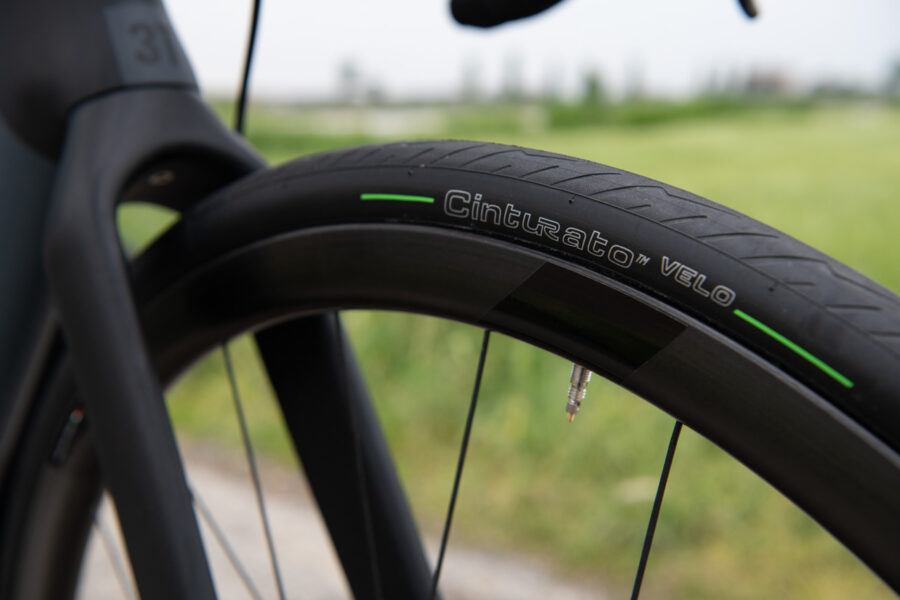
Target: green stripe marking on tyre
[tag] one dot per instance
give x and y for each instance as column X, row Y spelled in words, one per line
column 397, row 198
column 822, row 365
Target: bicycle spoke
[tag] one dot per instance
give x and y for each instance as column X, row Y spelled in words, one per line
column 459, row 467
column 239, row 568
column 654, row 513
column 114, row 553
column 254, row 472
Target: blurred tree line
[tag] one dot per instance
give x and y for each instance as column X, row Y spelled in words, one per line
column 355, row 86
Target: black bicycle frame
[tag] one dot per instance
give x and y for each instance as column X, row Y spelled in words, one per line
column 99, row 106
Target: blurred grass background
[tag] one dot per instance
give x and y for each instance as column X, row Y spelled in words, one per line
column 577, row 496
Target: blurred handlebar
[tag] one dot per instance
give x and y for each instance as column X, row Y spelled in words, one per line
column 488, row 13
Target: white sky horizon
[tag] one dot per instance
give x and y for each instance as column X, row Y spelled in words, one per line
column 413, row 49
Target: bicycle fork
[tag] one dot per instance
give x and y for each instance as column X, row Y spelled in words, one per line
column 90, row 289
column 309, row 361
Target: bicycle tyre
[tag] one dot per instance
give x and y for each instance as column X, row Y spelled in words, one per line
column 780, row 355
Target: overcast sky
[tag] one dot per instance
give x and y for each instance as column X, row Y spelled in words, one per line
column 413, row 47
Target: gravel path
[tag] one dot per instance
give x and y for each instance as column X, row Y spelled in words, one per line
column 312, row 573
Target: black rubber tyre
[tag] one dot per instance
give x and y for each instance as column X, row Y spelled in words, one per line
column 780, row 355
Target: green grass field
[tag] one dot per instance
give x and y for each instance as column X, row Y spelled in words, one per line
column 577, row 496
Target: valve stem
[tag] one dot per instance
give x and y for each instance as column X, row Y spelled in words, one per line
column 577, row 388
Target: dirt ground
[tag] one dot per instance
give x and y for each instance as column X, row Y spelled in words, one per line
column 309, row 567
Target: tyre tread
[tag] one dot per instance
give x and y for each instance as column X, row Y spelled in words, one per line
column 787, row 261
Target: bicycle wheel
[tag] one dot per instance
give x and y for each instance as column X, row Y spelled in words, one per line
column 776, row 353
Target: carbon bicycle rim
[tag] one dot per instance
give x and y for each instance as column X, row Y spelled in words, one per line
column 720, row 321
